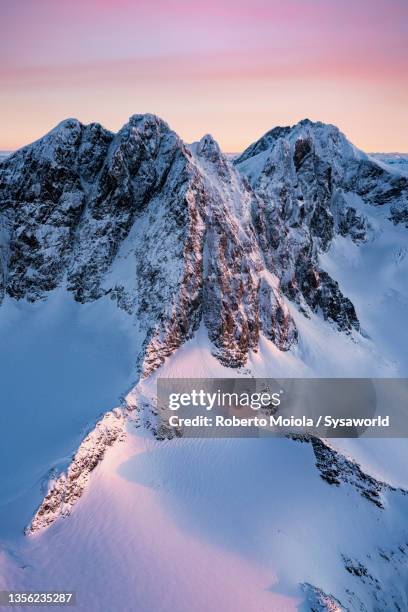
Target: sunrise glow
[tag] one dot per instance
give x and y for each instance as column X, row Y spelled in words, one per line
column 231, row 68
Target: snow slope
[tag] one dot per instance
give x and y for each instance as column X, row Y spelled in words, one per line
column 216, row 525
column 374, row 276
column 398, row 161
column 219, row 525
column 227, row 524
column 62, row 366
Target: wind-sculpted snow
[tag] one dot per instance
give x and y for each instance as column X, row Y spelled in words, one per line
column 328, row 542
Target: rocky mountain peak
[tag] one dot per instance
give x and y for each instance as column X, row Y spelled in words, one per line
column 178, row 235
column 263, row 144
column 66, row 131
column 146, row 121
column 210, row 157
column 326, row 139
column 311, row 179
column 207, row 147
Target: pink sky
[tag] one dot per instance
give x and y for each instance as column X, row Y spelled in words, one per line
column 231, row 68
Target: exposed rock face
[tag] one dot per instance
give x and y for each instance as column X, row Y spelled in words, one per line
column 318, row 601
column 66, row 490
column 313, row 184
column 176, row 235
column 377, row 575
column 392, row 561
column 366, row 578
column 79, row 202
column 336, row 469
column 43, row 196
column 240, row 299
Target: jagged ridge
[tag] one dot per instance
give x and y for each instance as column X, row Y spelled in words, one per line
column 203, row 240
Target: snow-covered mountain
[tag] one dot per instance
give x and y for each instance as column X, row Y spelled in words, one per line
column 175, row 235
column 164, row 229
column 313, row 183
column 396, row 161
column 288, row 260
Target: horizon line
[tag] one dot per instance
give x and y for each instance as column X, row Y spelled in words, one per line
column 10, row 151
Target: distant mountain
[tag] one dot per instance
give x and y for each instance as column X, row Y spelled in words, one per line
column 397, row 161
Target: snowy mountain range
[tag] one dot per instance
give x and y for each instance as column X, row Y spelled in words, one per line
column 128, row 256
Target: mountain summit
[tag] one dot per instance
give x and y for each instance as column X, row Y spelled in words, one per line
column 177, row 235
